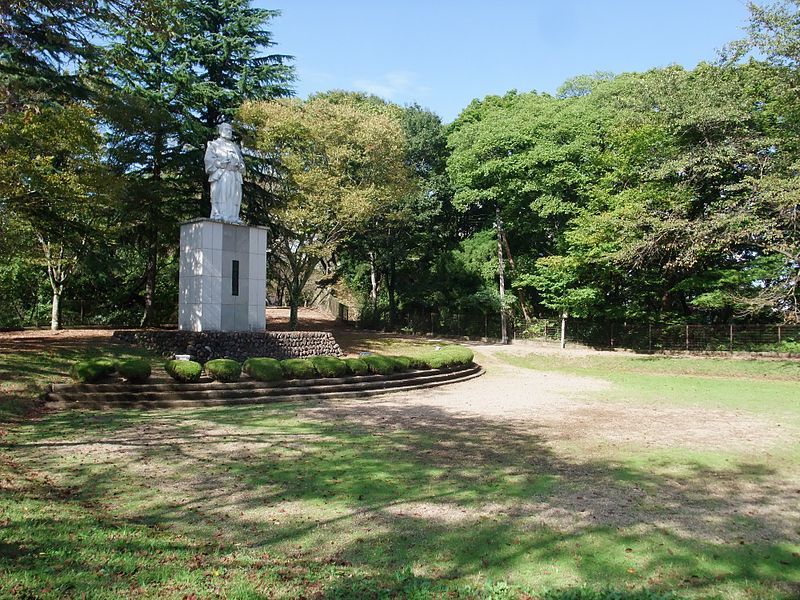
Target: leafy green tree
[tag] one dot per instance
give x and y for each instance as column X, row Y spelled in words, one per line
column 675, row 224
column 54, row 187
column 773, row 36
column 226, row 40
column 525, row 160
column 400, row 248
column 338, row 166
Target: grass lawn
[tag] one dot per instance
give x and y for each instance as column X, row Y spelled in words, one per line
column 388, row 498
column 767, row 391
column 29, row 362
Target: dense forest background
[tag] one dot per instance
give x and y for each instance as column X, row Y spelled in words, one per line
column 659, row 197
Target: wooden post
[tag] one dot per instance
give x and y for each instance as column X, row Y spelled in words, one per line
column 779, row 334
column 731, row 337
column 687, row 336
column 650, row 338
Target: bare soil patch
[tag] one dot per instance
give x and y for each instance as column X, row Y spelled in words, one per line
column 39, row 340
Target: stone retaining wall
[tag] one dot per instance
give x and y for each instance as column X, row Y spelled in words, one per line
column 239, row 345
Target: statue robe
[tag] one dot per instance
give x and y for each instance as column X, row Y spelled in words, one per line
column 225, row 165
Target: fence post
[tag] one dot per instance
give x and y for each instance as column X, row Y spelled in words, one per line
column 545, row 331
column 563, row 330
column 779, row 335
column 687, row 336
column 650, row 338
column 731, row 337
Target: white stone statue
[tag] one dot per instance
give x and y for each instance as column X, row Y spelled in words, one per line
column 225, row 166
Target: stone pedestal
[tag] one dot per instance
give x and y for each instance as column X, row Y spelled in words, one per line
column 223, row 275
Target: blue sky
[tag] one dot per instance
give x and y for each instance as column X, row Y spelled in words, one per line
column 444, row 53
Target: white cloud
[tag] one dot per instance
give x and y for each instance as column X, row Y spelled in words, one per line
column 394, row 85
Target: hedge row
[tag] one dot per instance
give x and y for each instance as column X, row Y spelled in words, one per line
column 93, row 370
column 270, row 369
column 185, row 371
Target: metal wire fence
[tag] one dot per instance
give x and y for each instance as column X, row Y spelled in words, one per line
column 657, row 337
column 642, row 337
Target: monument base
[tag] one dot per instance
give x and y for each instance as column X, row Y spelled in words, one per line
column 223, row 276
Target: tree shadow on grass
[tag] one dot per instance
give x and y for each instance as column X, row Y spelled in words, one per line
column 409, row 497
column 28, row 365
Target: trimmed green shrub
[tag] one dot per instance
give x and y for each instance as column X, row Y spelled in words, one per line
column 136, row 370
column 380, row 365
column 401, row 363
column 329, row 366
column 93, row 369
column 263, row 369
column 447, row 356
column 298, row 368
column 357, row 366
column 185, row 371
column 225, row 370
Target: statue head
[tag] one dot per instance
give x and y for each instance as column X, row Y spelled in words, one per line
column 225, row 131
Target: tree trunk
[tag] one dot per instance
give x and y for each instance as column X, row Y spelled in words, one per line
column 373, row 277
column 58, row 268
column 152, row 237
column 55, row 319
column 295, row 290
column 293, row 306
column 501, row 277
column 150, row 280
column 390, row 290
column 513, row 267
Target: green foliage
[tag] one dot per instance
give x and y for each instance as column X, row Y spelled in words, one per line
column 446, row 356
column 357, row 366
column 585, row 593
column 263, row 369
column 56, row 192
column 666, row 192
column 93, row 370
column 341, row 163
column 39, row 37
column 135, row 370
column 665, row 195
column 402, row 363
column 329, row 366
column 184, row 371
column 298, row 368
column 223, row 369
column 380, row 365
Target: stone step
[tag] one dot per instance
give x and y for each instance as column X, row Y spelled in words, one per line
column 291, row 397
column 237, row 390
column 314, row 389
column 245, row 383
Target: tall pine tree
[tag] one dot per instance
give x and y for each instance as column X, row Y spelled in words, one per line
column 179, row 72
column 226, row 40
